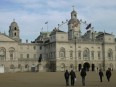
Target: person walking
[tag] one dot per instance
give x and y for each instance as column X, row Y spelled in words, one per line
column 101, row 74
column 97, row 69
column 66, row 75
column 73, row 76
column 83, row 75
column 108, row 74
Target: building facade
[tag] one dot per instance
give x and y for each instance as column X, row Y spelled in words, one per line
column 72, row 50
column 17, row 56
column 58, row 50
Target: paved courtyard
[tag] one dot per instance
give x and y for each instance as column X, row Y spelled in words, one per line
column 52, row 79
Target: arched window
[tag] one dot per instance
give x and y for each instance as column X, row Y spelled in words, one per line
column 62, row 65
column 15, row 34
column 15, row 28
column 26, row 66
column 86, row 54
column 11, row 66
column 2, row 53
column 62, row 52
column 110, row 54
column 11, row 52
column 71, row 66
column 19, row 66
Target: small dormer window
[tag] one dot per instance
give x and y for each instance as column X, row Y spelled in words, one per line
column 15, row 34
column 15, row 28
column 75, row 15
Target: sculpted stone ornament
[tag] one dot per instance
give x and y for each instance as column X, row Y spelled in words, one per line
column 75, row 25
column 2, row 54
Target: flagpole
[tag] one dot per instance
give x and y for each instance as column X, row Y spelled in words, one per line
column 47, row 25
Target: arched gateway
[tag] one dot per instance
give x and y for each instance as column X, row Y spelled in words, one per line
column 93, row 67
column 86, row 65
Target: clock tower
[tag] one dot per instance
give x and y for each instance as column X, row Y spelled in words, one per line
column 14, row 31
column 73, row 26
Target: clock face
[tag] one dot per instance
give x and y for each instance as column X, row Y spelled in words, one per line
column 75, row 24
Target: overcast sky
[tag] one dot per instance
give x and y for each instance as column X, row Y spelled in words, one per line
column 31, row 15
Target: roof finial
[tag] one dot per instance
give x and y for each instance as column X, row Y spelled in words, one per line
column 73, row 7
column 13, row 20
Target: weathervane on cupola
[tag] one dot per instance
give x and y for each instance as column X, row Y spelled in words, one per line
column 14, row 20
column 73, row 7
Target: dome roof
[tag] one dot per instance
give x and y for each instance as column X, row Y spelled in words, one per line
column 14, row 24
column 73, row 12
column 71, row 21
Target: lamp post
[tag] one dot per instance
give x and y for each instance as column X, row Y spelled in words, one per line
column 47, row 25
column 75, row 54
column 103, row 48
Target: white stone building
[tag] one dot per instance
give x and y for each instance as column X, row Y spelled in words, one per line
column 71, row 50
column 15, row 55
column 58, row 50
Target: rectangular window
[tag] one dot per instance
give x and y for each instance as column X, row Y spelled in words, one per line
column 34, row 47
column 40, row 58
column 21, row 56
column 40, row 47
column 51, row 55
column 79, row 54
column 62, row 54
column 11, row 55
column 108, row 55
column 34, row 56
column 27, row 55
column 99, row 54
column 71, row 54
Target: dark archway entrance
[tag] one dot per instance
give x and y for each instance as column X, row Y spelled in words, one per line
column 86, row 66
column 79, row 67
column 52, row 66
column 93, row 67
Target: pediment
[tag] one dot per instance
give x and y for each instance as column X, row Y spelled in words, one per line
column 5, row 38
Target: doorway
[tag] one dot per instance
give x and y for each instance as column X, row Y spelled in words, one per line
column 79, row 67
column 93, row 67
column 86, row 66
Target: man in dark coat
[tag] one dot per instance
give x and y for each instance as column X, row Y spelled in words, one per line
column 66, row 75
column 108, row 74
column 101, row 74
column 83, row 74
column 73, row 76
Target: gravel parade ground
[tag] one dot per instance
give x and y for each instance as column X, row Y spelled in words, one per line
column 52, row 79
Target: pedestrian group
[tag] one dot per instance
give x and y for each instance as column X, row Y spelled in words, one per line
column 83, row 74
